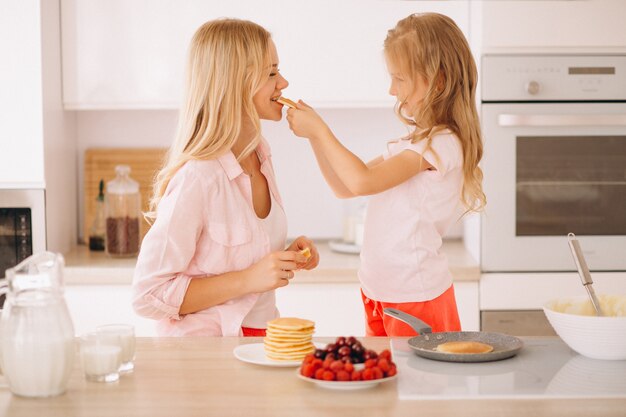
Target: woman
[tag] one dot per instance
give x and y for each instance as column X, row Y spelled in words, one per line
column 215, row 253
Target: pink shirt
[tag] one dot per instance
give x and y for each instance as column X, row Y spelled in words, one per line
column 206, row 225
column 400, row 257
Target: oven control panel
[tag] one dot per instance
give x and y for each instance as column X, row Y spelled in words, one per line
column 553, row 78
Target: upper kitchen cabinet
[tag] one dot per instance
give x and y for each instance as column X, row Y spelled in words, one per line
column 553, row 26
column 21, row 100
column 120, row 54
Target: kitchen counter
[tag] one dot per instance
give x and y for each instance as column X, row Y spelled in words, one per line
column 200, row 377
column 96, row 268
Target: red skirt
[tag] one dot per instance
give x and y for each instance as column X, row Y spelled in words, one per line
column 250, row 332
column 439, row 313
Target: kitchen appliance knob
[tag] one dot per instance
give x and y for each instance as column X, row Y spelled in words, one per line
column 532, row 87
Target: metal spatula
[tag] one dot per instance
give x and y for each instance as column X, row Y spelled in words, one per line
column 583, row 271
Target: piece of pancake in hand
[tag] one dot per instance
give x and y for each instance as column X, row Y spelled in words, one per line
column 464, row 347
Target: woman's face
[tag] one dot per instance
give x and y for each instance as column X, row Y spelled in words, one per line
column 265, row 99
column 410, row 94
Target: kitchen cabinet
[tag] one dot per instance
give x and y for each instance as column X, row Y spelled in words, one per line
column 94, row 305
column 21, row 110
column 553, row 26
column 124, row 55
column 337, row 309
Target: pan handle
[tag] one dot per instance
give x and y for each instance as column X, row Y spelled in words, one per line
column 417, row 325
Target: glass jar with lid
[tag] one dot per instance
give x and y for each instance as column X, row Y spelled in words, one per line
column 123, row 208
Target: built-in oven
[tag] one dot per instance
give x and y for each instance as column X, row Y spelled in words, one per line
column 22, row 225
column 554, row 131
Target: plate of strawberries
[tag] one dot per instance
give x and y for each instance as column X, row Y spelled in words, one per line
column 347, row 365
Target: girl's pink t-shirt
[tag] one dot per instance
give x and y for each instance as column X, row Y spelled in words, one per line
column 206, row 225
column 400, row 257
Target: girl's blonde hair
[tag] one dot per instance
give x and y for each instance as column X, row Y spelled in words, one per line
column 227, row 63
column 432, row 46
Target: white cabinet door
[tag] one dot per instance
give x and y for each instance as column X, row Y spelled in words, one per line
column 93, row 305
column 467, row 303
column 554, row 26
column 21, row 96
column 336, row 309
column 131, row 54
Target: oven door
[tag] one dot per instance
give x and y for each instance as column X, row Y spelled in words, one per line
column 550, row 169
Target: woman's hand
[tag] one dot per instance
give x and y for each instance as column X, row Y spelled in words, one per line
column 273, row 271
column 300, row 244
column 305, row 122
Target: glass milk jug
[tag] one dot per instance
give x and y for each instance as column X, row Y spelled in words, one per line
column 36, row 333
column 123, row 207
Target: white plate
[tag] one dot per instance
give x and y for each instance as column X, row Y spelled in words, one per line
column 255, row 353
column 346, row 385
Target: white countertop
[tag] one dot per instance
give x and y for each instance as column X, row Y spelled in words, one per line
column 545, row 368
column 83, row 267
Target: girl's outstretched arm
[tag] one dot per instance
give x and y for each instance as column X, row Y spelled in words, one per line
column 335, row 183
column 358, row 178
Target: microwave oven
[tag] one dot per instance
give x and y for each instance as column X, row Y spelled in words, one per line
column 22, row 226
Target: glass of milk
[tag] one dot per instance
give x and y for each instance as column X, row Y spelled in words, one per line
column 124, row 336
column 101, row 358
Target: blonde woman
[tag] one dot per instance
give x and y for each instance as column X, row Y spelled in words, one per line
column 215, row 253
column 419, row 185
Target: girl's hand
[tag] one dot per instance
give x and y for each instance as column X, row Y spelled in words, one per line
column 299, row 245
column 273, row 271
column 305, row 122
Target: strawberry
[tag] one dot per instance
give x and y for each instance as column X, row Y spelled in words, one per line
column 343, row 376
column 328, row 375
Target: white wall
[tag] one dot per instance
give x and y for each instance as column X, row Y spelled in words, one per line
column 59, row 135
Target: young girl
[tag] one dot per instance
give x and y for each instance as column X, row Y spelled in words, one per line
column 417, row 186
column 215, row 253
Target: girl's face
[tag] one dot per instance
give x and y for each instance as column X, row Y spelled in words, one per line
column 409, row 92
column 265, row 99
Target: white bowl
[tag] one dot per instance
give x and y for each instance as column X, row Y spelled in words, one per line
column 591, row 336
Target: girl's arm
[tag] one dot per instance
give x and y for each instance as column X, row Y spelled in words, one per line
column 335, row 183
column 357, row 177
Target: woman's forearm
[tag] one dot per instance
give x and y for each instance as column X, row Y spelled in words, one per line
column 206, row 292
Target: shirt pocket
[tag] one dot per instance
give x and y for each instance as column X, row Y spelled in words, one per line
column 231, row 247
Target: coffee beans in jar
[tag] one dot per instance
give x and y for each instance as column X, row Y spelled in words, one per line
column 122, row 236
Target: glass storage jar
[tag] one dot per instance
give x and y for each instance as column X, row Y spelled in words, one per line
column 123, row 208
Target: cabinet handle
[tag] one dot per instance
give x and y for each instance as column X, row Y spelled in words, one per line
column 564, row 120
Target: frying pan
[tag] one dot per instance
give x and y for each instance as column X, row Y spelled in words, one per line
column 504, row 346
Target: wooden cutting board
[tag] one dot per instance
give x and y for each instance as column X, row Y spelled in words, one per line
column 100, row 164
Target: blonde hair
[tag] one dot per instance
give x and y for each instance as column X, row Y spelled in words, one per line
column 227, row 63
column 431, row 46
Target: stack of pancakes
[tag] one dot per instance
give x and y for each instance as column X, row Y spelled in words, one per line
column 289, row 339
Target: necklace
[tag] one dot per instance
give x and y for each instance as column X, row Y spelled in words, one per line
column 250, row 173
